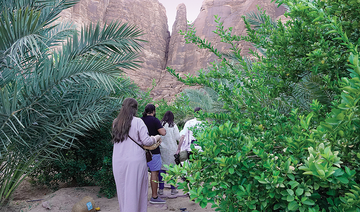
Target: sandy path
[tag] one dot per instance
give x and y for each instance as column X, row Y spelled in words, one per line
column 64, row 199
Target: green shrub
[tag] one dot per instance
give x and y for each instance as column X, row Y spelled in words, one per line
column 88, row 162
column 267, row 152
column 179, row 107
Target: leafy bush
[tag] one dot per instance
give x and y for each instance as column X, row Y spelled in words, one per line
column 303, row 58
column 88, row 162
column 184, row 104
column 180, row 108
column 258, row 156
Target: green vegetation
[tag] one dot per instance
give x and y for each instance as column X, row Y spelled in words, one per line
column 288, row 138
column 56, row 83
column 89, row 160
column 283, row 125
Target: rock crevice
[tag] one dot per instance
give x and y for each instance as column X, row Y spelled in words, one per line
column 163, row 50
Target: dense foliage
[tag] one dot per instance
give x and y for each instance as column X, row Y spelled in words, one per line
column 271, row 150
column 89, row 160
column 55, row 82
column 179, row 107
column 87, row 163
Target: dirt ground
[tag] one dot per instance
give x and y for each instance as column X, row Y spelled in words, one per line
column 28, row 198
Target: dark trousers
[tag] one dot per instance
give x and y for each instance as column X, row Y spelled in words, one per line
column 161, row 183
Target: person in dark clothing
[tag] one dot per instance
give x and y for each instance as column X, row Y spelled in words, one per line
column 155, row 128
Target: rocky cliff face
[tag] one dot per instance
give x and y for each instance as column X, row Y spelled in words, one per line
column 161, row 49
column 147, row 15
column 188, row 58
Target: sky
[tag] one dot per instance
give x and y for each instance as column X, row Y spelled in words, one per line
column 192, row 9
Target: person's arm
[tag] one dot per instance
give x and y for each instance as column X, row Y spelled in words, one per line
column 185, row 129
column 157, row 138
column 143, row 134
column 162, row 131
column 182, row 134
column 180, row 143
column 176, row 133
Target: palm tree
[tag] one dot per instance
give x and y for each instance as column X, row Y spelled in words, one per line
column 55, row 83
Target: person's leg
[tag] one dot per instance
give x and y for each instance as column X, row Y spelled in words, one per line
column 155, row 166
column 173, row 190
column 154, row 183
column 161, row 182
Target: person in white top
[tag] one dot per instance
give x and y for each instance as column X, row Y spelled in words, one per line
column 168, row 148
column 186, row 134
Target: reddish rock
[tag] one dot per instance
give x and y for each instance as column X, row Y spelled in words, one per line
column 189, row 58
column 147, row 15
column 161, row 50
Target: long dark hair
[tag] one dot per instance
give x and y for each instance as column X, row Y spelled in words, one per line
column 122, row 123
column 148, row 109
column 168, row 118
column 197, row 109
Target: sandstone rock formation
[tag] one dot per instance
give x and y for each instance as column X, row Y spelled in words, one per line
column 147, row 15
column 178, row 55
column 188, row 58
column 178, row 50
column 162, row 50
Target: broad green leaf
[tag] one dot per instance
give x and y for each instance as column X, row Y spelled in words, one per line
column 333, row 121
column 299, row 191
column 291, row 176
column 262, row 181
column 293, row 184
column 338, row 172
column 347, row 99
column 272, row 195
column 291, row 192
column 343, row 180
column 316, row 186
column 308, row 202
column 203, row 203
column 308, row 118
column 293, row 206
column 347, row 170
column 290, row 198
column 231, row 170
column 277, row 206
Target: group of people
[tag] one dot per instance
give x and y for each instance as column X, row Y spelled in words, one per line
column 129, row 163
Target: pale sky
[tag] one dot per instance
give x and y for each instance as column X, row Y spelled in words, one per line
column 192, row 9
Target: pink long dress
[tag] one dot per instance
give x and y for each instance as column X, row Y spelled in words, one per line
column 130, row 169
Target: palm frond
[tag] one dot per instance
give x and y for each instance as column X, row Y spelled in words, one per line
column 51, row 9
column 20, row 34
column 6, row 76
column 59, row 34
column 115, row 38
column 257, row 19
column 49, row 95
column 15, row 4
column 206, row 98
column 311, row 87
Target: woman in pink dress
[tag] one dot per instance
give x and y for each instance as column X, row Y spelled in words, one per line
column 128, row 161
